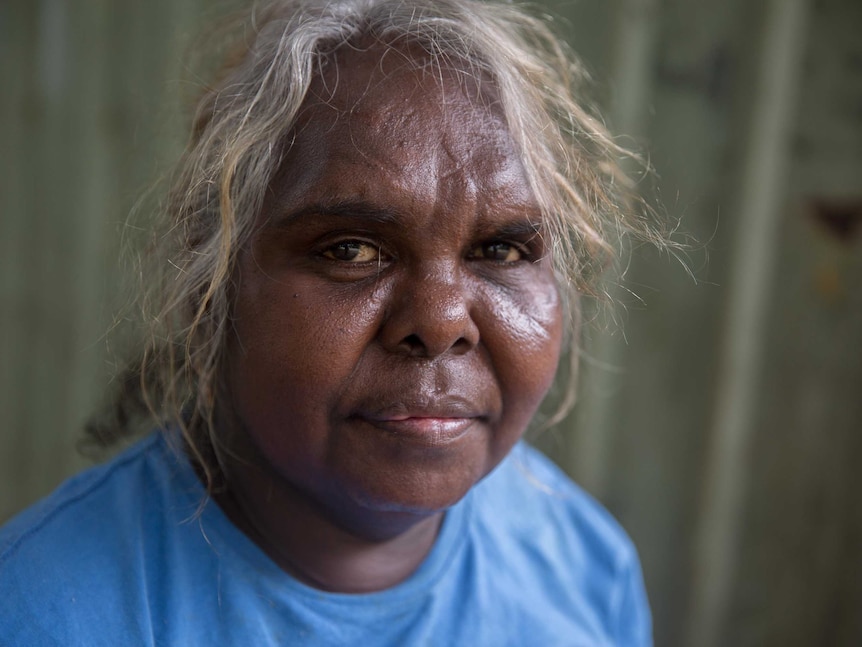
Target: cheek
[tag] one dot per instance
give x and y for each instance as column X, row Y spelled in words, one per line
column 296, row 342
column 294, row 352
column 526, row 344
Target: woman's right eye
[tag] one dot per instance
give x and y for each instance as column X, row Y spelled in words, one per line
column 352, row 251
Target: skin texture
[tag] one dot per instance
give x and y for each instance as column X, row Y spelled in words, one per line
column 396, row 322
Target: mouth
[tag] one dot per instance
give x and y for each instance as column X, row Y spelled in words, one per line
column 433, row 424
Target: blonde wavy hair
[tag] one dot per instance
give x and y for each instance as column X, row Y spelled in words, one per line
column 241, row 131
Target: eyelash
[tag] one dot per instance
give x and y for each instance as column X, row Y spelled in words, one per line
column 476, row 253
column 520, row 249
column 329, row 252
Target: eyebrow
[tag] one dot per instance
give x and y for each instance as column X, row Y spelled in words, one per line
column 519, row 229
column 355, row 209
column 371, row 212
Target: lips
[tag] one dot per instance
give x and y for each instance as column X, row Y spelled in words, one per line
column 434, row 422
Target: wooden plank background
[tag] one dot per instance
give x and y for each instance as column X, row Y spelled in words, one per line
column 720, row 419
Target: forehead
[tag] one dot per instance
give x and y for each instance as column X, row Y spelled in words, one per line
column 384, row 122
column 357, row 78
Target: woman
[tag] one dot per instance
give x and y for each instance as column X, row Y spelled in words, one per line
column 378, row 234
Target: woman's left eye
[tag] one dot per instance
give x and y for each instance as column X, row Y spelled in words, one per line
column 497, row 251
column 352, row 251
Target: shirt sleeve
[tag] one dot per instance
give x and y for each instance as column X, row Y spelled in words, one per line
column 633, row 618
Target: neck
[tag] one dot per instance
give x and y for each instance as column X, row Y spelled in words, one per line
column 305, row 540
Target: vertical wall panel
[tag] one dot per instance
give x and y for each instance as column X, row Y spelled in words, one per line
column 657, row 390
column 17, row 27
column 86, row 126
column 800, row 550
column 762, row 187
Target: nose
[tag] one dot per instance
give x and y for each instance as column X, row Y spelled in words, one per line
column 430, row 314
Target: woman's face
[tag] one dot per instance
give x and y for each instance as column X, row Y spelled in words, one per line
column 396, row 322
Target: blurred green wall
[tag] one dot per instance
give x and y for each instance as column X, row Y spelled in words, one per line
column 720, row 418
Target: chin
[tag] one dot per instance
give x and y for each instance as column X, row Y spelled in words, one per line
column 412, row 491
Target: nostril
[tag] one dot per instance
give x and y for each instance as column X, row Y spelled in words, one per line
column 413, row 344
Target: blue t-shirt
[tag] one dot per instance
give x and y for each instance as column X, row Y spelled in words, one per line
column 123, row 554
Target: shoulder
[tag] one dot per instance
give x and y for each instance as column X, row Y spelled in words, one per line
column 547, row 528
column 63, row 560
column 69, row 506
column 534, row 490
column 84, row 503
